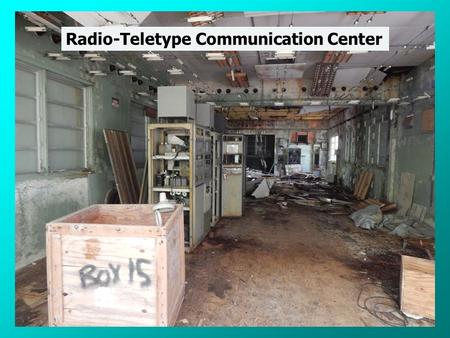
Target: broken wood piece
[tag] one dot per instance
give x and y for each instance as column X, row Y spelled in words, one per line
column 405, row 193
column 365, row 186
column 388, row 207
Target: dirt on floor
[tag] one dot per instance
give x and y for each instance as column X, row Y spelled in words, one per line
column 293, row 266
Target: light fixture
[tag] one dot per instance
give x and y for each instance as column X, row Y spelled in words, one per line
column 369, row 20
column 354, row 101
column 194, row 75
column 63, row 58
column 175, row 71
column 232, row 75
column 97, row 73
column 243, row 104
column 278, row 104
column 37, row 29
column 357, row 20
column 100, row 58
column 121, row 66
column 180, row 62
column 91, row 55
column 132, row 66
column 422, row 97
column 153, row 78
column 200, row 18
column 287, row 54
column 152, row 57
column 409, row 79
column 145, row 77
column 431, row 46
column 315, row 103
column 55, row 55
column 393, row 100
column 143, row 94
column 215, row 56
column 127, row 72
column 358, row 52
column 211, row 103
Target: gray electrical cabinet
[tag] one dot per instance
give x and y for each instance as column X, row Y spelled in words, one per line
column 232, row 175
column 205, row 115
column 216, row 145
column 176, row 101
column 219, row 122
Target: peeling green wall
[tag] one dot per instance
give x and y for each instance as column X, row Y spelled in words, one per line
column 41, row 198
column 409, row 149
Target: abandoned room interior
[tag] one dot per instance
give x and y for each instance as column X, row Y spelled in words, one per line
column 271, row 188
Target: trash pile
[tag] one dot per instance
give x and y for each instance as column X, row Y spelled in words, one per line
column 372, row 218
column 309, row 190
column 301, row 189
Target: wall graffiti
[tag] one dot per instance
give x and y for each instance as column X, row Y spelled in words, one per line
column 91, row 276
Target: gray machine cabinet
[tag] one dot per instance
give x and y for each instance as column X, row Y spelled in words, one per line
column 176, row 101
column 233, row 171
column 219, row 122
column 205, row 115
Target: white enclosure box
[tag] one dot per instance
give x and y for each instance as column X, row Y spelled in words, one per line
column 176, row 101
column 205, row 115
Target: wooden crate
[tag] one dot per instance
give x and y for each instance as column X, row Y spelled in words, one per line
column 110, row 265
column 417, row 287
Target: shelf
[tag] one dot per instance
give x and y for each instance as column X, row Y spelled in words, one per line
column 163, row 157
column 165, row 189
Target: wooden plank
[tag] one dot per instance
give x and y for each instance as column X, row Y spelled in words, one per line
column 143, row 196
column 418, row 211
column 366, row 185
column 117, row 165
column 418, row 287
column 428, row 120
column 361, row 184
column 405, row 193
column 389, row 207
column 54, row 280
column 124, row 168
column 358, row 184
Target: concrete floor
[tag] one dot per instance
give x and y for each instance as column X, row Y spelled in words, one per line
column 288, row 267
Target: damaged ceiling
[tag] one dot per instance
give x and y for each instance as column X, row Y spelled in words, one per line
column 263, row 79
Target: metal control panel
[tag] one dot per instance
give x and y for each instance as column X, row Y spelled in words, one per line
column 232, row 175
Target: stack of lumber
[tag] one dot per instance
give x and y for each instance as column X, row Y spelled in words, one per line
column 363, row 185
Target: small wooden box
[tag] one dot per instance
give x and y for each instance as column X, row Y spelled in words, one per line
column 111, row 265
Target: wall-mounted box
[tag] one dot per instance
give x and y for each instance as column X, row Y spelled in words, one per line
column 176, row 101
column 219, row 122
column 111, row 265
column 205, row 115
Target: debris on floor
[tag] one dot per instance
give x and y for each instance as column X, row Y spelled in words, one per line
column 263, row 188
column 368, row 218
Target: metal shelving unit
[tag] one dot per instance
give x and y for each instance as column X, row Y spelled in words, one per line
column 181, row 172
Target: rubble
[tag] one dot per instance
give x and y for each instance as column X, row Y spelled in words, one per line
column 368, row 218
column 305, row 189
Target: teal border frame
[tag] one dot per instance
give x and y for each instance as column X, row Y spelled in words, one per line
column 7, row 137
